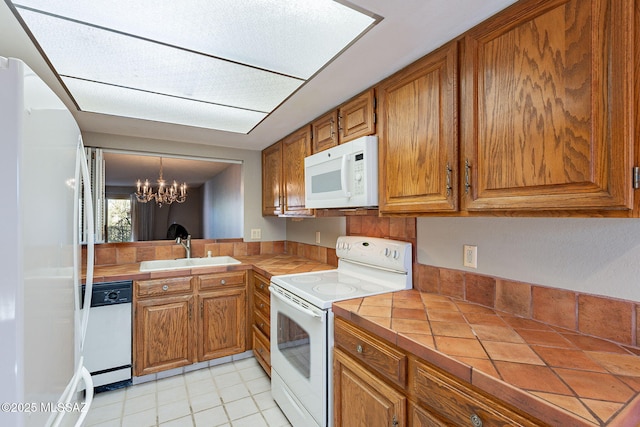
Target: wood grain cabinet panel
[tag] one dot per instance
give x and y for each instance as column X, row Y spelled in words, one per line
column 363, row 400
column 272, row 180
column 163, row 334
column 283, row 175
column 295, row 148
column 418, row 136
column 223, row 326
column 353, row 119
column 547, row 107
column 357, row 117
column 373, row 352
column 324, row 131
column 261, row 330
column 457, row 401
column 206, row 321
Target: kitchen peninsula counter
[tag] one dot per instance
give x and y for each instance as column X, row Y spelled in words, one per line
column 267, row 265
column 560, row 377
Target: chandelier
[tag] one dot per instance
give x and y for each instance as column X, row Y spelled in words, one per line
column 165, row 195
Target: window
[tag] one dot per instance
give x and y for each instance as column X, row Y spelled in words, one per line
column 118, row 220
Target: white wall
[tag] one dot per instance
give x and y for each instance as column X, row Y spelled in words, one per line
column 272, row 228
column 304, row 230
column 222, row 205
column 592, row 255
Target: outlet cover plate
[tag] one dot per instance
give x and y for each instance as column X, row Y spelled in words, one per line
column 470, row 256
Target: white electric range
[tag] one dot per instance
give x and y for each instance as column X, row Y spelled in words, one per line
column 302, row 321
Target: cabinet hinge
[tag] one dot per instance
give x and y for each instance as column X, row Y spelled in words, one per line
column 636, row 177
column 394, row 422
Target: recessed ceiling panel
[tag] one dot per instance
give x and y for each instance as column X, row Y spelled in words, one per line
column 113, row 100
column 94, row 54
column 293, row 37
column 223, row 64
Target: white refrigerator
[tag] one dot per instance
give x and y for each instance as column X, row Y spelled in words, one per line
column 41, row 316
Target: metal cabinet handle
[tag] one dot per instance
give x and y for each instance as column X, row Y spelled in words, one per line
column 261, row 285
column 359, row 349
column 475, row 420
column 262, row 324
column 261, row 305
column 467, row 176
column 223, row 282
column 165, row 288
column 448, row 172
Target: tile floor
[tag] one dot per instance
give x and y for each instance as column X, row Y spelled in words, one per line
column 235, row 394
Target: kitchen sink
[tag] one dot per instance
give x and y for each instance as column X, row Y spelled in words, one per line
column 176, row 264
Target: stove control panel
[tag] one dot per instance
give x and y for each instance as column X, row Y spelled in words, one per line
column 391, row 254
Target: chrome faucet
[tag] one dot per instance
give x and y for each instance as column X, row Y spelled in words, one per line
column 186, row 246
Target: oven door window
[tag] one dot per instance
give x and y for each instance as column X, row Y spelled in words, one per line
column 294, row 344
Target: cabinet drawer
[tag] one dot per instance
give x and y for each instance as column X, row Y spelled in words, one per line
column 263, row 323
column 457, row 401
column 170, row 286
column 261, row 285
column 261, row 304
column 381, row 357
column 208, row 281
column 261, row 348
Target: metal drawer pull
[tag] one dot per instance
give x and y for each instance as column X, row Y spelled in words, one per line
column 359, row 349
column 223, row 282
column 261, row 305
column 261, row 285
column 476, row 421
column 165, row 288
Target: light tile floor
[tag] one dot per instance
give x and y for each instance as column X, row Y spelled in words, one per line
column 235, row 394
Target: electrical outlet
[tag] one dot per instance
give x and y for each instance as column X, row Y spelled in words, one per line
column 256, row 233
column 470, row 256
column 317, row 237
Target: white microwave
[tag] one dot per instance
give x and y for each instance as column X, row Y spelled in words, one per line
column 345, row 176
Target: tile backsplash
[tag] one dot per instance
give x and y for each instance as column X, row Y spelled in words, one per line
column 598, row 316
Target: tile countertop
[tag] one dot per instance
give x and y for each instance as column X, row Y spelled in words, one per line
column 556, row 375
column 267, row 265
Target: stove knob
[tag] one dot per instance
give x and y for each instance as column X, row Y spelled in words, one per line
column 386, row 252
column 396, row 255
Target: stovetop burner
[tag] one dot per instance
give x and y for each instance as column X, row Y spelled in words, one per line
column 334, row 289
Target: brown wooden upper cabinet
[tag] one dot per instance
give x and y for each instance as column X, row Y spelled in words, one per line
column 272, row 180
column 353, row 119
column 547, row 107
column 418, row 136
column 283, row 175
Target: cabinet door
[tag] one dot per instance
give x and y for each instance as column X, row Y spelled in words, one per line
column 163, row 334
column 361, row 399
column 272, row 180
column 418, row 136
column 356, row 118
column 325, row 132
column 295, row 148
column 223, row 323
column 546, row 98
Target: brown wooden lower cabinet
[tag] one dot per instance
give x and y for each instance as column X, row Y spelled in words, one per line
column 164, row 336
column 223, row 327
column 182, row 320
column 363, row 400
column 368, row 392
column 261, row 329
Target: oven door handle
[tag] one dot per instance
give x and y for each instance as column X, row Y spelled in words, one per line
column 294, row 305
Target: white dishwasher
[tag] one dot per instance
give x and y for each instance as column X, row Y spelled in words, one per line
column 107, row 348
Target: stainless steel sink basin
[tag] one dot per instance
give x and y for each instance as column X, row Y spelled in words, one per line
column 176, row 264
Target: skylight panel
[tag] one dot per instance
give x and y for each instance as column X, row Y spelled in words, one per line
column 116, row 59
column 236, row 59
column 112, row 100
